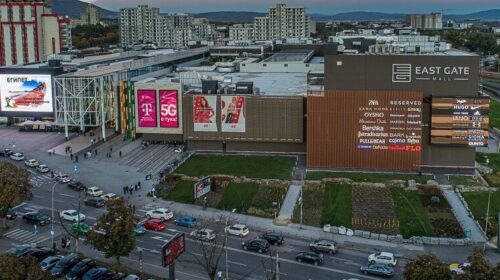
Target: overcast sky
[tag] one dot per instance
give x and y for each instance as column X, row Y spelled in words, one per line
column 313, row 6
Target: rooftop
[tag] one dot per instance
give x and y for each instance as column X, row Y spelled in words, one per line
column 290, row 56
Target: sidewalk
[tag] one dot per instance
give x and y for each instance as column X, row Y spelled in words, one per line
column 286, row 211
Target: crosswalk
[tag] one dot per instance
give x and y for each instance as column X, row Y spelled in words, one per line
column 38, row 179
column 27, row 237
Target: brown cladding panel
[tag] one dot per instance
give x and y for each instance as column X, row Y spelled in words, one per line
column 333, row 124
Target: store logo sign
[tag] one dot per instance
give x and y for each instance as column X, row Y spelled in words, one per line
column 401, row 73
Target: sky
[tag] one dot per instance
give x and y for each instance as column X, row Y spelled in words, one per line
column 313, row 6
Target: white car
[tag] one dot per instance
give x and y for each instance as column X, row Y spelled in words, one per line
column 383, row 258
column 42, row 168
column 31, row 163
column 237, row 229
column 63, row 178
column 160, row 213
column 72, row 215
column 204, row 234
column 109, row 196
column 17, row 157
column 94, row 191
column 457, row 268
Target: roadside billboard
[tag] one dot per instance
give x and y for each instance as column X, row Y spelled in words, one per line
column 146, row 103
column 232, row 113
column 173, row 249
column 204, row 113
column 28, row 93
column 202, row 187
column 169, row 115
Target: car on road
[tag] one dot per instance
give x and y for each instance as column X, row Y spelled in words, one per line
column 377, row 269
column 109, row 196
column 72, row 215
column 80, row 268
column 31, row 163
column 36, row 218
column 39, row 253
column 63, row 178
column 383, row 258
column 154, row 224
column 42, row 168
column 273, row 238
column 49, row 262
column 187, row 221
column 95, row 273
column 458, row 269
column 17, row 156
column 95, row 202
column 163, row 214
column 6, row 153
column 237, row 229
column 20, row 250
column 64, row 265
column 310, row 257
column 203, row 234
column 323, row 246
column 11, row 214
column 131, row 277
column 76, row 185
column 257, row 245
column 94, row 191
column 84, row 228
column 139, row 229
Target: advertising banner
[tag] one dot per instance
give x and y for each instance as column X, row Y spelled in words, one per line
column 202, row 187
column 146, row 108
column 169, row 115
column 26, row 93
column 232, row 113
column 173, row 249
column 204, row 113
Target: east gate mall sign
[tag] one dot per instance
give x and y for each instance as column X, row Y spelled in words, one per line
column 407, row 73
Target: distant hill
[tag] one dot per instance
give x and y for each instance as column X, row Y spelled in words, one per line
column 358, row 16
column 73, row 8
column 489, row 15
column 238, row 17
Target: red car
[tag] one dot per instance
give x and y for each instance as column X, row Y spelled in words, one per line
column 154, row 224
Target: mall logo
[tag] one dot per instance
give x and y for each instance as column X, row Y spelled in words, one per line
column 401, row 73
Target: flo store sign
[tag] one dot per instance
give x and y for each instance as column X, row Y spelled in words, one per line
column 407, row 73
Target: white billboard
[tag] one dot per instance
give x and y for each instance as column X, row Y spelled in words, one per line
column 26, row 93
column 232, row 113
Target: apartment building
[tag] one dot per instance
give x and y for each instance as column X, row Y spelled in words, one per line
column 136, row 25
column 30, row 32
column 90, row 16
column 283, row 22
column 432, row 21
column 242, row 32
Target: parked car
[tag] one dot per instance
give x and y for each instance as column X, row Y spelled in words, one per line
column 84, row 228
column 64, row 265
column 76, row 185
column 39, row 253
column 257, row 245
column 31, row 163
column 42, row 168
column 6, row 153
column 19, row 251
column 323, row 245
column 310, row 257
column 80, row 268
column 139, row 229
column 160, row 213
column 94, row 191
column 131, row 277
column 187, row 221
column 95, row 273
column 95, row 202
column 457, row 268
column 154, row 224
column 273, row 238
column 109, row 196
column 49, row 262
column 382, row 258
column 377, row 269
column 11, row 214
column 237, row 229
column 36, row 218
column 63, row 178
column 17, row 156
column 72, row 215
column 204, row 234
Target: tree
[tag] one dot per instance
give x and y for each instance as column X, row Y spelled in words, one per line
column 12, row 269
column 480, row 268
column 114, row 234
column 15, row 187
column 426, row 267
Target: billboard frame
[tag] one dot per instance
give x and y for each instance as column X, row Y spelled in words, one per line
column 171, row 250
column 206, row 183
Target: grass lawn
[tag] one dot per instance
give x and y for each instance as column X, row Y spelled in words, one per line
column 478, row 202
column 413, row 220
column 494, row 162
column 267, row 200
column 494, row 113
column 312, row 206
column 464, row 180
column 368, row 177
column 337, row 205
column 238, row 195
column 261, row 167
column 183, row 192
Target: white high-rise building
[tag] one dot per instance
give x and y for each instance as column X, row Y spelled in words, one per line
column 136, row 25
column 242, row 32
column 283, row 22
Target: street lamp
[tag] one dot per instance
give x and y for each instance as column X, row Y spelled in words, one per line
column 52, row 230
column 487, row 218
column 225, row 229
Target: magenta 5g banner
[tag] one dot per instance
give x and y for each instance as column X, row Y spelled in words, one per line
column 146, row 110
column 169, row 115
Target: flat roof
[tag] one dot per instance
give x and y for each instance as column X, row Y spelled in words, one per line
column 289, row 56
column 451, row 52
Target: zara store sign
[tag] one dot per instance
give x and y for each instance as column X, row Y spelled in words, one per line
column 406, row 73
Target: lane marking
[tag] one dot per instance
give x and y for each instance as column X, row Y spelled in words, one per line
column 67, row 195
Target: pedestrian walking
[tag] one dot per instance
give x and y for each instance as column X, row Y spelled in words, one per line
column 63, row 242
column 96, row 152
column 71, row 156
column 120, row 154
column 136, row 187
column 124, row 190
column 84, row 155
column 110, row 148
column 68, row 242
column 139, row 184
column 131, row 189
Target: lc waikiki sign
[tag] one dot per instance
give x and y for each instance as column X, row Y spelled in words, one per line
column 406, row 73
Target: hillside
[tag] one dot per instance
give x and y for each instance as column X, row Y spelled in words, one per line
column 73, row 8
column 238, row 17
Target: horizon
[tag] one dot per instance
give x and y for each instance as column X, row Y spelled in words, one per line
column 341, row 6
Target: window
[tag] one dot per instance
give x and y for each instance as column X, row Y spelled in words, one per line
column 286, row 65
column 264, row 65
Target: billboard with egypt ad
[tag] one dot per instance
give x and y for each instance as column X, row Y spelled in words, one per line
column 146, row 110
column 26, row 93
column 169, row 114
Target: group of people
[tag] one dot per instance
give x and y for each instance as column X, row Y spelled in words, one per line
column 130, row 189
column 65, row 242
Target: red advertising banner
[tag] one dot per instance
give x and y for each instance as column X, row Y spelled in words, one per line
column 169, row 115
column 146, row 108
column 173, row 249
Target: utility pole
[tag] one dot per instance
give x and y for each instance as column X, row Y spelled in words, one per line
column 487, row 218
